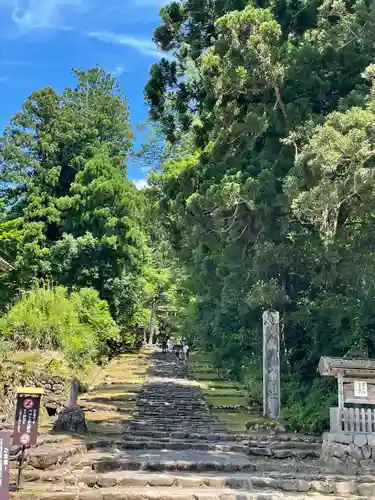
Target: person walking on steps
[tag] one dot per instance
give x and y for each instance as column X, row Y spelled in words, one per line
column 185, row 350
column 170, row 344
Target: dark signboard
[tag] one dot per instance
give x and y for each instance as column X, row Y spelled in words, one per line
column 26, row 418
column 4, row 465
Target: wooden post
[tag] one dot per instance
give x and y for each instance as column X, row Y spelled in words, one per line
column 340, row 391
column 71, row 418
column 73, row 394
column 335, row 419
column 271, row 364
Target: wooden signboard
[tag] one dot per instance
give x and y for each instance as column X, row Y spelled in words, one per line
column 27, row 414
column 4, row 465
column 359, row 391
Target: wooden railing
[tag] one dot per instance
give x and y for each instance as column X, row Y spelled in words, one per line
column 358, row 420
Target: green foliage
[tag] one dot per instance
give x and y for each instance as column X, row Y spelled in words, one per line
column 270, row 203
column 48, row 318
column 70, row 212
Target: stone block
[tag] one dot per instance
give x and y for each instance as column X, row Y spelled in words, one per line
column 265, row 482
column 366, row 450
column 289, row 485
column 355, row 452
column 323, row 487
column 162, row 480
column 339, row 450
column 337, row 437
column 106, row 482
column 238, row 483
column 215, row 482
column 366, row 489
column 71, row 420
column 346, row 488
column 360, row 440
column 89, row 479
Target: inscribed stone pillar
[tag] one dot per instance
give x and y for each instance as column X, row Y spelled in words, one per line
column 271, row 364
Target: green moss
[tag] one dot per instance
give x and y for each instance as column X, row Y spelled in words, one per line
column 57, row 367
column 224, row 393
column 260, row 420
column 231, row 400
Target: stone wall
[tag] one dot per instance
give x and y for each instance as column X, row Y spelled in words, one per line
column 349, row 453
column 56, row 389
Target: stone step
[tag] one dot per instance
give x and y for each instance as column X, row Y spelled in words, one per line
column 282, row 453
column 162, row 403
column 329, row 485
column 154, row 460
column 172, row 415
column 57, row 492
column 183, row 434
column 270, row 437
column 51, row 455
column 277, row 445
column 183, row 444
column 202, row 429
column 172, row 422
column 180, row 445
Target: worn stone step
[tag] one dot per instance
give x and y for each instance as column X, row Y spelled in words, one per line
column 180, row 445
column 154, row 460
column 278, row 445
column 183, row 428
column 282, row 453
column 276, row 438
column 183, row 434
column 56, row 492
column 310, row 466
column 173, row 415
column 52, row 454
column 329, row 485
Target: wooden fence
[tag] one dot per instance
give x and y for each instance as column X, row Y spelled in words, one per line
column 358, row 420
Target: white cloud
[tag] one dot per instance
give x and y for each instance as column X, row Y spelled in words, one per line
column 142, row 45
column 119, row 70
column 141, row 183
column 41, row 14
column 150, row 3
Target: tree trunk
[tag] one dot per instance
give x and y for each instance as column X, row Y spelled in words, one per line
column 151, row 327
column 144, row 336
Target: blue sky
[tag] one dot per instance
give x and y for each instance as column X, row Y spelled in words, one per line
column 42, row 40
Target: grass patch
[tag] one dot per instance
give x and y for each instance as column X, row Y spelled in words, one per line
column 224, row 393
column 110, row 395
column 234, row 421
column 104, row 416
column 207, row 376
column 232, row 401
column 218, row 384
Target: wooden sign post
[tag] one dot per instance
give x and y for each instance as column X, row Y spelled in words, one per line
column 25, row 432
column 355, row 386
column 4, row 465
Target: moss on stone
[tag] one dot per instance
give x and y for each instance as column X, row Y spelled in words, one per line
column 228, row 400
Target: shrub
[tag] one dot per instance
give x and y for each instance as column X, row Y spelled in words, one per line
column 47, row 317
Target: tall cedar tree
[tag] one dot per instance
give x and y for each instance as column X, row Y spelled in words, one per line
column 257, row 213
column 69, row 211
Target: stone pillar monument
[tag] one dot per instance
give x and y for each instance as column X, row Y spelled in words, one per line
column 271, row 364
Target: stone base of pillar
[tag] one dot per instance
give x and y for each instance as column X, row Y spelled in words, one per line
column 71, row 420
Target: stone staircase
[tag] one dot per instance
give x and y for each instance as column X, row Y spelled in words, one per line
column 172, row 448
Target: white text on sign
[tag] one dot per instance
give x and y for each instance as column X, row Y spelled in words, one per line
column 360, row 389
